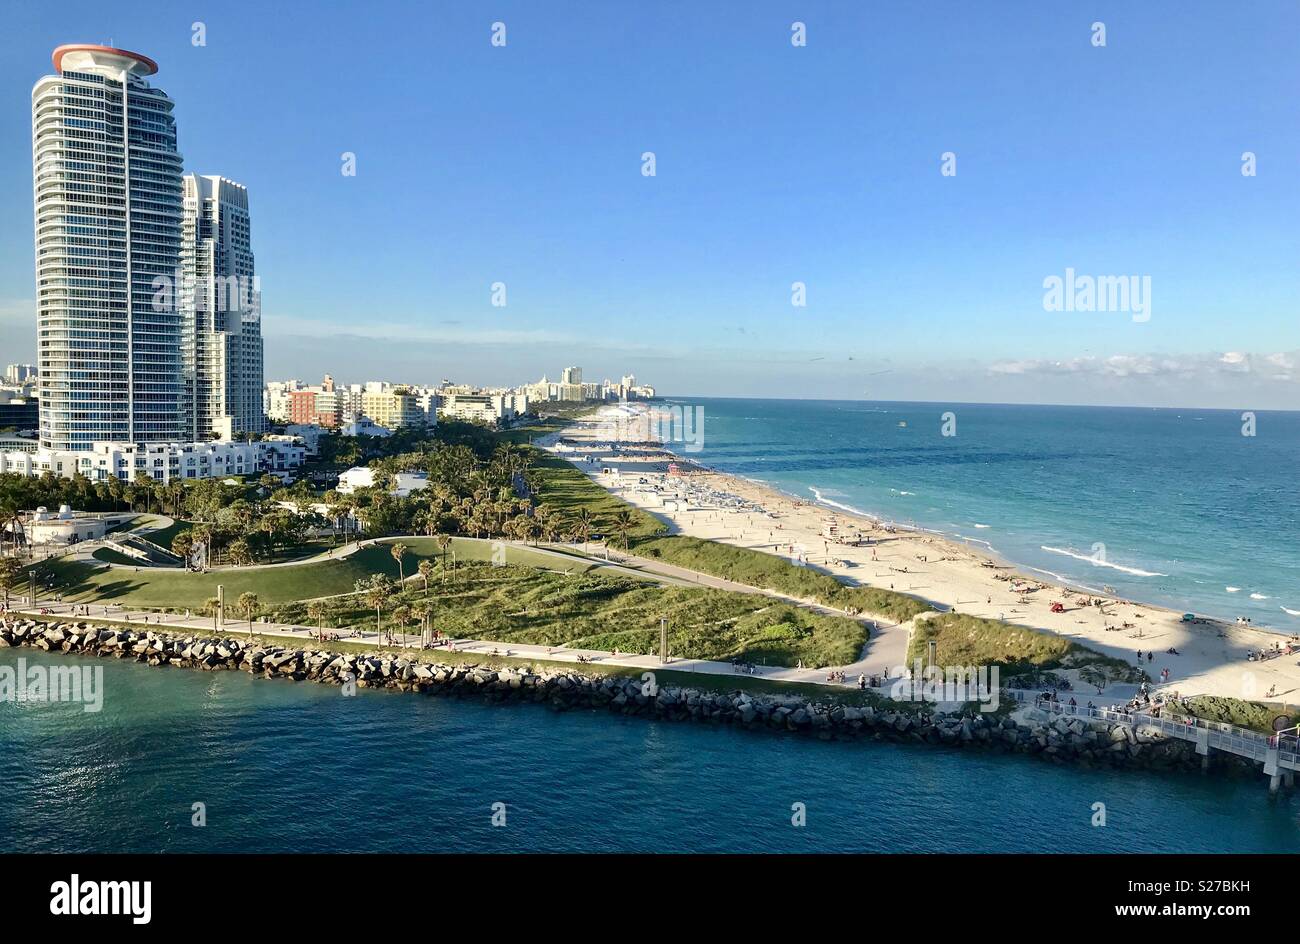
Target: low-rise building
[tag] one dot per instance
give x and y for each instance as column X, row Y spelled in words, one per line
column 404, row 483
column 160, row 461
column 307, row 433
column 492, row 408
column 394, row 409
column 362, row 426
column 64, row 526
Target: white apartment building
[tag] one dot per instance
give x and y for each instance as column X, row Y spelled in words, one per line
column 17, row 375
column 491, row 408
column 221, row 305
column 364, row 427
column 108, row 207
column 160, row 461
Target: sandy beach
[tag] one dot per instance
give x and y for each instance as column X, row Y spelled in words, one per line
column 1212, row 656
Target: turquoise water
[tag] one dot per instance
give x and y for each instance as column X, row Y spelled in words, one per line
column 297, row 767
column 1184, row 504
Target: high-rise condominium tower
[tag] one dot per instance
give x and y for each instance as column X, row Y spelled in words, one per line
column 108, row 232
column 221, row 307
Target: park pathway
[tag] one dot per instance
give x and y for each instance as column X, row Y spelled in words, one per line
column 307, row 635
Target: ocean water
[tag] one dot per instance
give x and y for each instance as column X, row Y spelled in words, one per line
column 1173, row 507
column 286, row 767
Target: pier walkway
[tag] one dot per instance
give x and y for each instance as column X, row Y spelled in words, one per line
column 1279, row 752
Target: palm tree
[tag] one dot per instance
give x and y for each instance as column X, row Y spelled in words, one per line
column 117, row 491
column 377, row 594
column 585, row 521
column 399, row 551
column 248, row 605
column 183, row 546
column 402, row 617
column 623, row 524
column 422, row 611
column 176, row 497
column 444, row 541
column 11, row 571
column 11, row 520
column 339, row 511
column 426, row 570
column 316, row 609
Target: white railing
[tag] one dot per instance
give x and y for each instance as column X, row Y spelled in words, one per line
column 1224, row 737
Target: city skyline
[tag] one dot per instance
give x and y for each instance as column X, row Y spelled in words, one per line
column 919, row 286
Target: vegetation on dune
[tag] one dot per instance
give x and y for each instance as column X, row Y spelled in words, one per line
column 769, row 572
column 1016, row 650
column 572, row 493
column 561, row 486
column 1255, row 715
column 525, row 605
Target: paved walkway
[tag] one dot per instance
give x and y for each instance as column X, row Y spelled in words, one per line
column 885, row 649
column 140, row 619
column 884, row 653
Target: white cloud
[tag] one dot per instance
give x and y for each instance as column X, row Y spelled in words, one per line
column 448, row 332
column 1279, row 366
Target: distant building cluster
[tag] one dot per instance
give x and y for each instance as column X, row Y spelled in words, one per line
column 377, row 408
column 571, row 388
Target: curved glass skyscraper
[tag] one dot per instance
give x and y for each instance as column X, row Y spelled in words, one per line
column 108, row 243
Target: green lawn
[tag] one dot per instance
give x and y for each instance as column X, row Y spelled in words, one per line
column 147, row 586
column 130, row 523
column 163, row 536
column 568, row 491
column 177, row 589
column 522, row 435
column 110, row 556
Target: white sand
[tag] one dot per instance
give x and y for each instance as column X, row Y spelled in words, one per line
column 1211, row 659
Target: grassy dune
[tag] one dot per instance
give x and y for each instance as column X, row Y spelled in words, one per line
column 566, row 489
column 770, row 572
column 1258, row 716
column 1016, row 650
column 520, row 604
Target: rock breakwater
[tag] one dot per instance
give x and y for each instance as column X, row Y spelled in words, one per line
column 1026, row 731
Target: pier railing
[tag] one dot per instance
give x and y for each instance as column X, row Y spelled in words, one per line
column 1225, row 737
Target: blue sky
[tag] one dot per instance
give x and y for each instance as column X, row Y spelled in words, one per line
column 775, row 164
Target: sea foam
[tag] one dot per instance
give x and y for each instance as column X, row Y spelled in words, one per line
column 1103, row 563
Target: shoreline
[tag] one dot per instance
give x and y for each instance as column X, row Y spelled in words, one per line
column 1210, row 655
column 1030, row 730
